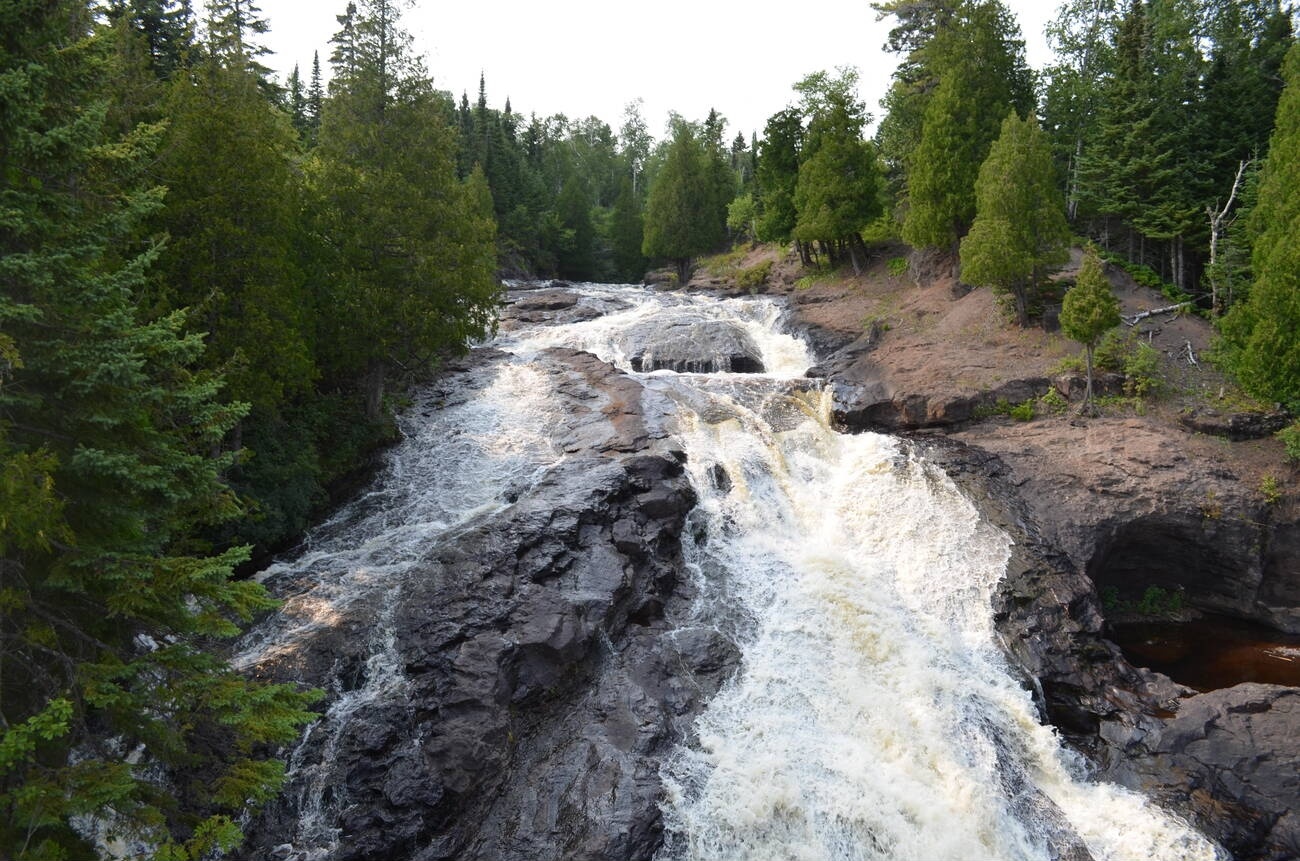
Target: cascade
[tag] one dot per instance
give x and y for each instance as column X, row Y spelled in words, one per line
column 872, row 714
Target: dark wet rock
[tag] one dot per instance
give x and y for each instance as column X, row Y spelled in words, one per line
column 719, row 478
column 1225, row 760
column 546, row 300
column 688, row 343
column 543, row 670
column 1234, row 426
column 1230, row 758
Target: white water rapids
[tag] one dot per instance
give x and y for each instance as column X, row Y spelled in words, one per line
column 873, row 715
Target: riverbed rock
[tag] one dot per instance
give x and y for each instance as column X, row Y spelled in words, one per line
column 545, row 663
column 691, row 343
column 1225, row 760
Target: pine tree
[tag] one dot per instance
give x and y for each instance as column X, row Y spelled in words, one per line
column 106, row 437
column 1261, row 336
column 681, row 219
column 837, row 192
column 297, row 104
column 408, row 250
column 777, row 175
column 1020, row 228
column 978, row 59
column 1089, row 311
column 315, row 100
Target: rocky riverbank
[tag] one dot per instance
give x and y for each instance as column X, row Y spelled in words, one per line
column 1184, row 494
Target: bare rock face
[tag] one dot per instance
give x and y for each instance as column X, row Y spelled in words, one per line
column 1230, row 758
column 692, row 344
column 1226, row 760
column 546, row 665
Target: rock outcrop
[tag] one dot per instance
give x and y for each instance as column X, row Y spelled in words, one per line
column 689, row 343
column 542, row 667
column 1225, row 760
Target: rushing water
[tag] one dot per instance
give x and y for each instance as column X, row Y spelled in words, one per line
column 873, row 715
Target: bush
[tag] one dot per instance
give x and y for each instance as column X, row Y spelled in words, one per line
column 1290, row 437
column 754, row 276
column 897, row 266
column 1139, row 362
column 1053, row 402
column 1022, row 412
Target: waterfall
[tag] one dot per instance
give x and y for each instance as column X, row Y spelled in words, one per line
column 872, row 716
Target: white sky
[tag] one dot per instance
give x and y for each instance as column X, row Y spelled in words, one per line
column 591, row 57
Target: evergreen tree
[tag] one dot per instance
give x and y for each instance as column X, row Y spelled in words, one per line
column 627, row 232
column 1020, row 228
column 409, row 251
column 979, row 61
column 576, row 259
column 297, row 104
column 166, row 26
column 110, row 707
column 232, row 215
column 1089, row 311
column 777, row 175
column 682, row 219
column 838, row 184
column 1261, row 336
column 315, row 100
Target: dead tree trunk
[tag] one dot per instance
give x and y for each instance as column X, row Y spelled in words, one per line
column 1219, row 224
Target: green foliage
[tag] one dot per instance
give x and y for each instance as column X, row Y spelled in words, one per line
column 406, row 250
column 683, row 217
column 1053, row 402
column 1089, row 310
column 1290, row 437
column 742, row 213
column 777, row 175
column 110, row 451
column 1155, row 601
column 897, row 266
column 1019, row 228
column 836, row 191
column 1271, row 489
column 754, row 276
column 977, row 57
column 1021, row 412
column 1261, row 336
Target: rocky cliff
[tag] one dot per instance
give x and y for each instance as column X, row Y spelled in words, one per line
column 1175, row 497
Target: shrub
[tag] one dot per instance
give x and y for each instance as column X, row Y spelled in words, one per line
column 1053, row 402
column 1022, row 412
column 1290, row 437
column 897, row 266
column 754, row 276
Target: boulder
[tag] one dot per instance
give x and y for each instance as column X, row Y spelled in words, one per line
column 690, row 343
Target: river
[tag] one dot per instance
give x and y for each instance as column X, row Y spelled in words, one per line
column 872, row 714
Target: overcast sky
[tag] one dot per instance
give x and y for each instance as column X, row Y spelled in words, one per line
column 591, row 57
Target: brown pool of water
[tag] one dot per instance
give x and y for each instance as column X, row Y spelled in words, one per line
column 1211, row 652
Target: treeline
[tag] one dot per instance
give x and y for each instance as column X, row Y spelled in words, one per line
column 203, row 297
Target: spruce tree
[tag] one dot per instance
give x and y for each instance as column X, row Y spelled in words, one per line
column 978, row 59
column 111, row 707
column 1261, row 336
column 777, row 175
column 1088, row 312
column 1020, row 228
column 682, row 218
column 408, row 252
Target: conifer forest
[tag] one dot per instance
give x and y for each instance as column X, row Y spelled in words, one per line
column 217, row 285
